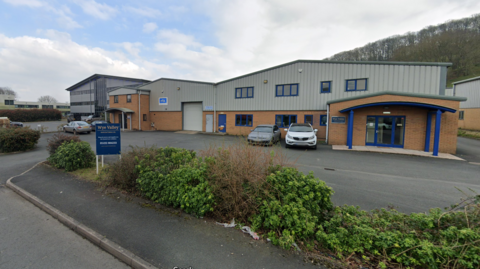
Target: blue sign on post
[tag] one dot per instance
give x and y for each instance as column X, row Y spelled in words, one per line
column 108, row 138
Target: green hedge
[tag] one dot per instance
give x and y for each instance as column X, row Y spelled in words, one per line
column 72, row 156
column 18, row 139
column 28, row 115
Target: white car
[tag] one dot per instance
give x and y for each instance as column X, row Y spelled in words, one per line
column 302, row 135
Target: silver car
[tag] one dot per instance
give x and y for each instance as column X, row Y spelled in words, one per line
column 265, row 135
column 77, row 127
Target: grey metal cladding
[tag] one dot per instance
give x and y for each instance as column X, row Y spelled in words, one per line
column 81, row 109
column 443, row 80
column 81, row 98
column 402, row 78
column 471, row 90
column 121, row 91
column 189, row 92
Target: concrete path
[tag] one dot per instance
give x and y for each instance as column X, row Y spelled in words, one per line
column 163, row 237
column 48, row 126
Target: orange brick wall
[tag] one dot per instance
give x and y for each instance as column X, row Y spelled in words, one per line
column 471, row 119
column 266, row 117
column 166, row 121
column 415, row 122
column 122, row 103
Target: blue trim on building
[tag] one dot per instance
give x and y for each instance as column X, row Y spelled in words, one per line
column 241, row 92
column 283, row 90
column 248, row 116
column 305, row 119
column 350, row 130
column 392, row 139
column 329, row 87
column 356, row 87
column 323, row 116
column 436, row 141
column 429, row 106
column 289, row 120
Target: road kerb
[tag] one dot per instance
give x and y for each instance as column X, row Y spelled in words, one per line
column 114, row 249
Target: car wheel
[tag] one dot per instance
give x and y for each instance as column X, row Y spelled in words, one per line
column 88, row 132
column 74, row 132
column 286, row 146
column 315, row 147
column 64, row 130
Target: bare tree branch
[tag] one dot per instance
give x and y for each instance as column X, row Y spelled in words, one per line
column 47, row 99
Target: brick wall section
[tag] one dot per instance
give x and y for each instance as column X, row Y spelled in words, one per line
column 267, row 117
column 166, row 121
column 471, row 119
column 415, row 122
column 133, row 105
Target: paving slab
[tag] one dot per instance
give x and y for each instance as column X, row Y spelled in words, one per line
column 161, row 237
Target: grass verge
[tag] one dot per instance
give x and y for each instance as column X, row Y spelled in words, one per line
column 469, row 134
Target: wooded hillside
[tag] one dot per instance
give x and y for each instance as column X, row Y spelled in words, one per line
column 456, row 41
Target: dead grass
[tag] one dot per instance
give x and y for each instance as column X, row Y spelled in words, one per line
column 469, row 133
column 90, row 174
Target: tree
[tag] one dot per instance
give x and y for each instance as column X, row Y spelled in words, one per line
column 8, row 91
column 47, row 99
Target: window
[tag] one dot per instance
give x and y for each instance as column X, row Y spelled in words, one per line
column 461, row 115
column 309, row 119
column 144, row 117
column 129, row 98
column 64, row 107
column 82, row 103
column 47, row 106
column 243, row 120
column 26, row 106
column 323, row 120
column 287, row 90
column 246, row 92
column 115, row 99
column 325, row 87
column 9, row 102
column 285, row 120
column 356, row 85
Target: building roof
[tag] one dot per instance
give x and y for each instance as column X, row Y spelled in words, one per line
column 101, row 75
column 466, row 80
column 122, row 109
column 419, row 95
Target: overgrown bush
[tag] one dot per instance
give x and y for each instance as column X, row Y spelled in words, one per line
column 122, row 174
column 237, row 172
column 292, row 206
column 27, row 115
column 73, row 155
column 18, row 139
column 58, row 139
column 440, row 239
column 175, row 177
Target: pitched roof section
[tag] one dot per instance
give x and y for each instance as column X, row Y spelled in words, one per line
column 100, row 75
column 419, row 95
column 466, row 80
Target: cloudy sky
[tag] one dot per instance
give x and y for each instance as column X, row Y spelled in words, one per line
column 49, row 45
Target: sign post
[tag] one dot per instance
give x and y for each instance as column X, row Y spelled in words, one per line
column 107, row 140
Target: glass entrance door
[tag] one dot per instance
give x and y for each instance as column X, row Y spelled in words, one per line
column 386, row 131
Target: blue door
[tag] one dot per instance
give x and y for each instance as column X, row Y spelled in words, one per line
column 385, row 131
column 222, row 123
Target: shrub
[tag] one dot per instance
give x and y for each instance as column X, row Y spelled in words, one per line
column 27, row 115
column 18, row 139
column 73, row 155
column 122, row 174
column 236, row 173
column 175, row 177
column 439, row 239
column 58, row 139
column 293, row 205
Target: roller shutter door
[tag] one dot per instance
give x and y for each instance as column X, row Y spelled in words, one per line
column 192, row 116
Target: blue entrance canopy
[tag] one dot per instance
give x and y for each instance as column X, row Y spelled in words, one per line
column 414, row 104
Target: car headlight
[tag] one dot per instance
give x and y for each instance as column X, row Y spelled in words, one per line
column 311, row 137
column 289, row 137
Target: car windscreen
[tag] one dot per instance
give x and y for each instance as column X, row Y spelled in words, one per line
column 81, row 123
column 263, row 129
column 301, row 129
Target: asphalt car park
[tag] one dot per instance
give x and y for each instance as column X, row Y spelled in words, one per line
column 369, row 180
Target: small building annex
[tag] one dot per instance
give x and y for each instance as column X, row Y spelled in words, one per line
column 469, row 114
column 391, row 104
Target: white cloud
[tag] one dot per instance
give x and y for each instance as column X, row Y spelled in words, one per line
column 143, row 11
column 149, row 27
column 36, row 66
column 97, row 10
column 28, row 3
column 174, row 36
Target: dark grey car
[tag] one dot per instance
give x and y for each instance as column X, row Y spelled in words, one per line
column 266, row 134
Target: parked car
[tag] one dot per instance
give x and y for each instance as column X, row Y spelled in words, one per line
column 16, row 124
column 265, row 135
column 92, row 125
column 70, row 118
column 92, row 118
column 301, row 134
column 77, row 127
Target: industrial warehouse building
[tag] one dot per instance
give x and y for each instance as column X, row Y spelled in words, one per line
column 469, row 114
column 390, row 104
